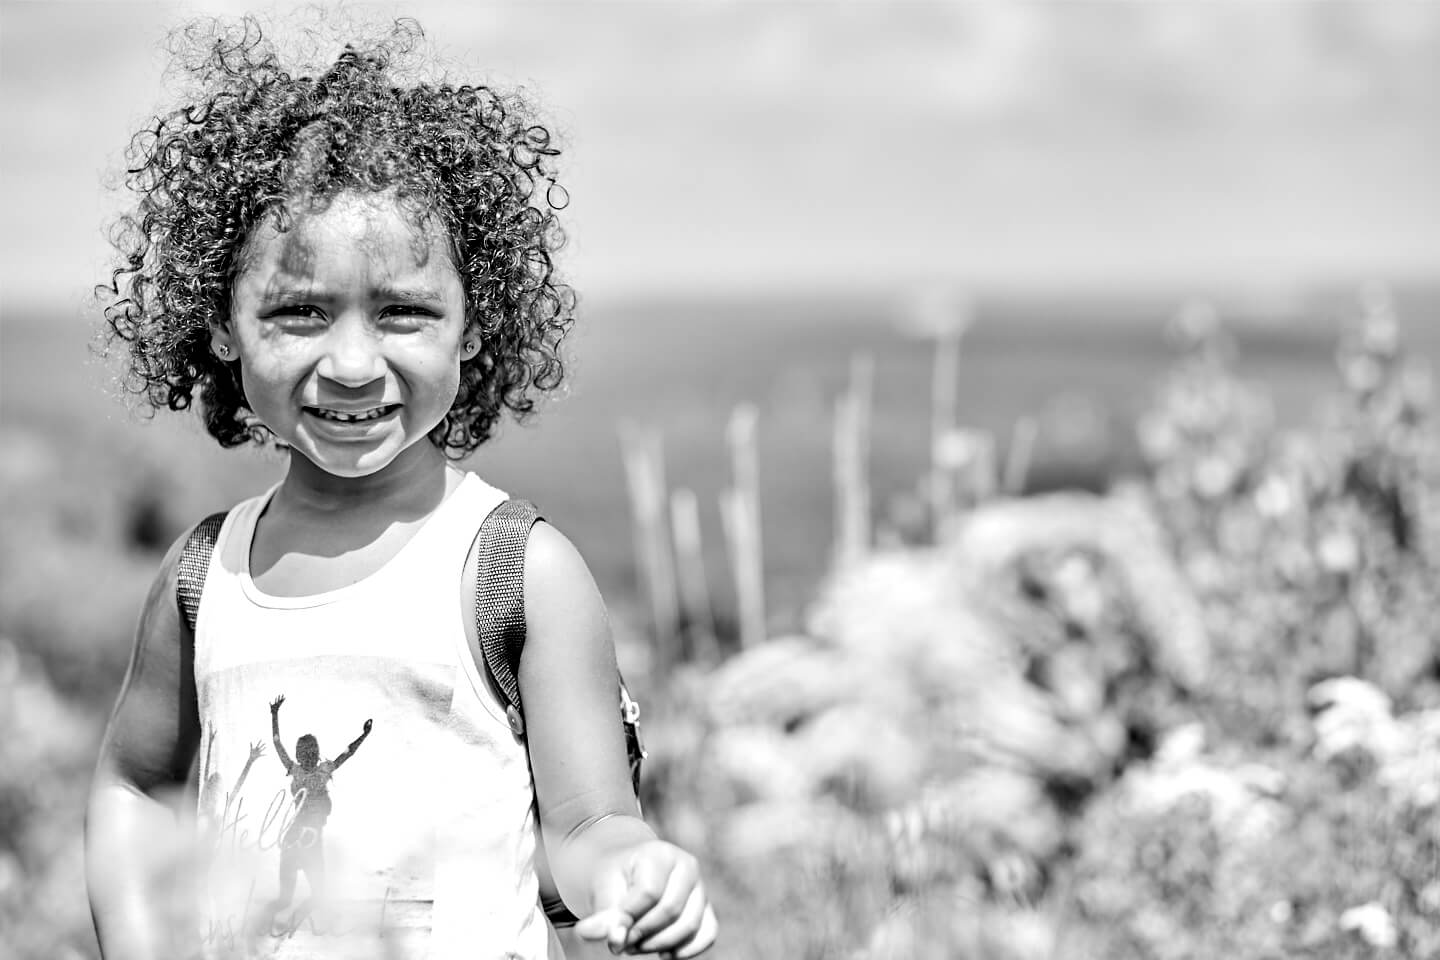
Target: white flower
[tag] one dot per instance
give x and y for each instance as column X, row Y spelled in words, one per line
column 1275, row 497
column 1353, row 714
column 1181, row 745
column 1339, row 553
column 1240, row 797
column 1372, row 922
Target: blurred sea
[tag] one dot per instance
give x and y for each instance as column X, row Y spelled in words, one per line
column 1084, row 366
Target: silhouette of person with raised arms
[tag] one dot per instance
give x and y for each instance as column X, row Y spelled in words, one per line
column 212, row 810
column 301, row 846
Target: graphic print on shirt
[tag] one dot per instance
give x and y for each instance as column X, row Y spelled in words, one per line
column 212, row 816
column 302, row 846
column 426, row 849
column 312, row 855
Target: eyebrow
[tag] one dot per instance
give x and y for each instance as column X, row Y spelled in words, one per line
column 421, row 295
column 417, row 295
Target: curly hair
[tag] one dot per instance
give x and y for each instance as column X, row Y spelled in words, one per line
column 258, row 142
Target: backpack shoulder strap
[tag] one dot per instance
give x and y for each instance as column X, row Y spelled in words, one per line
column 500, row 619
column 194, row 562
column 500, row 597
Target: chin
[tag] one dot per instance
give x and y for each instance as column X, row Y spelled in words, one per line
column 366, row 461
column 353, row 471
column 363, row 464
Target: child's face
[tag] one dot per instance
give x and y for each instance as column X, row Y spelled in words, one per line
column 350, row 330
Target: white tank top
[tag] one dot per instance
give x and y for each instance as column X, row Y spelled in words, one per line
column 415, row 839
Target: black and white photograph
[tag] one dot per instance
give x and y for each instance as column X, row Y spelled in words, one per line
column 855, row 480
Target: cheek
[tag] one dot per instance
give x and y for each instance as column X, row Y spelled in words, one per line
column 439, row 368
column 257, row 392
column 266, row 382
column 449, row 383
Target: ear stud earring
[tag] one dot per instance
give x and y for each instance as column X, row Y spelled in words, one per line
column 224, row 351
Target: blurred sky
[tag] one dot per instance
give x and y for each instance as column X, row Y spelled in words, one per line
column 740, row 147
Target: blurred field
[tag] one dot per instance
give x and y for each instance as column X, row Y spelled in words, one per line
column 882, row 778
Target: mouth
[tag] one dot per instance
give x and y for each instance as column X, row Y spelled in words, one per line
column 352, row 416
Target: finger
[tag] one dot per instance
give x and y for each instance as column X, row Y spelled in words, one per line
column 683, row 877
column 704, row 940
column 648, row 878
column 601, row 924
column 682, row 930
column 606, row 916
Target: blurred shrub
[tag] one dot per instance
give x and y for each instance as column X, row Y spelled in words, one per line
column 46, row 755
column 1107, row 726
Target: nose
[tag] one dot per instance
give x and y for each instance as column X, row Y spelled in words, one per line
column 352, row 356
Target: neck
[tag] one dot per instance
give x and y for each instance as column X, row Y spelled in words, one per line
column 418, row 479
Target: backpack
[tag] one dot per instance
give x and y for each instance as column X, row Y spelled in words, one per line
column 500, row 628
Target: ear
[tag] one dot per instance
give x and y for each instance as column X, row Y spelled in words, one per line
column 222, row 344
column 469, row 344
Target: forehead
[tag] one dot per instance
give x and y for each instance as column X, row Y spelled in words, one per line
column 353, row 235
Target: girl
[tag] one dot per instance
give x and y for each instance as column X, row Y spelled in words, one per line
column 360, row 271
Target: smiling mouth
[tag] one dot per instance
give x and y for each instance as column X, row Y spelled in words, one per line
column 352, row 416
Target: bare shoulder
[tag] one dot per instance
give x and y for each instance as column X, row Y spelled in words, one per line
column 560, row 591
column 551, row 560
column 154, row 728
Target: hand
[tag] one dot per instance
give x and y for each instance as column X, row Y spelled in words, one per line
column 256, row 749
column 367, row 725
column 275, row 704
column 649, row 899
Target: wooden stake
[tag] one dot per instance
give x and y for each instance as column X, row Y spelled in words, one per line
column 697, row 614
column 740, row 513
column 645, row 477
column 851, row 464
column 949, row 318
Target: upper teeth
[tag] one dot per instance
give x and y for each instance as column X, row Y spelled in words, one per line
column 351, row 417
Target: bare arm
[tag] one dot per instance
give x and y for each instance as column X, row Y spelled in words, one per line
column 354, row 745
column 275, row 732
column 572, row 718
column 631, row 889
column 135, row 842
column 256, row 749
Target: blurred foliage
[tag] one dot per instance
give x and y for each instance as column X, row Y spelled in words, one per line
column 1314, row 553
column 1196, row 716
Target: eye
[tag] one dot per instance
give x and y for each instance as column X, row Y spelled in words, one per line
column 408, row 316
column 296, row 310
